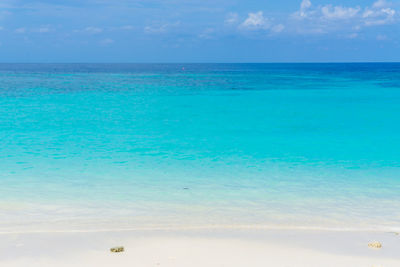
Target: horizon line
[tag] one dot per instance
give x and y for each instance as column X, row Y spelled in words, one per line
column 274, row 62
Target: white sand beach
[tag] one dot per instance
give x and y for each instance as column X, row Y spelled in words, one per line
column 201, row 247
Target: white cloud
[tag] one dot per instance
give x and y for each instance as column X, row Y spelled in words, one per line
column 381, row 37
column 127, row 27
column 380, row 10
column 160, row 28
column 304, row 11
column 120, row 28
column 328, row 18
column 352, row 35
column 339, row 12
column 304, row 6
column 207, row 33
column 380, row 4
column 156, row 29
column 107, row 41
column 379, row 14
column 43, row 29
column 278, row 28
column 20, row 30
column 256, row 21
column 92, row 30
column 231, row 18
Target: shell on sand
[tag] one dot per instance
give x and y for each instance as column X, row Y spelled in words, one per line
column 375, row 245
column 117, row 249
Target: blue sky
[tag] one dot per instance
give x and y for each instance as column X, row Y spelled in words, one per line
column 199, row 31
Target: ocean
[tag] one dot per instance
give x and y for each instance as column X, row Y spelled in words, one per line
column 128, row 146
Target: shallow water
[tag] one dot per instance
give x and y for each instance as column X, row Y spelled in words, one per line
column 95, row 146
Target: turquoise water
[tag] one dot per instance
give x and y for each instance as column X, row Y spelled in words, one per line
column 97, row 146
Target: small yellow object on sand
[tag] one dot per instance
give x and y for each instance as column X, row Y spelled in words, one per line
column 117, row 249
column 375, row 245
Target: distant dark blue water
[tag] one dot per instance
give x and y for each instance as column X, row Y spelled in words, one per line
column 89, row 146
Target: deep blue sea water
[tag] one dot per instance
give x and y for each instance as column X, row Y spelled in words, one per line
column 111, row 146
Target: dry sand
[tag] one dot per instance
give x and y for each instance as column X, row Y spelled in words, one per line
column 205, row 248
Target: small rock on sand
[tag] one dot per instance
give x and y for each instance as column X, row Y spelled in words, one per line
column 117, row 249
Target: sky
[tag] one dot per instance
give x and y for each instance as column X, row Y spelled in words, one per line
column 199, row 31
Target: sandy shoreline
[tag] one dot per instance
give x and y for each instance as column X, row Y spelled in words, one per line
column 201, row 247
